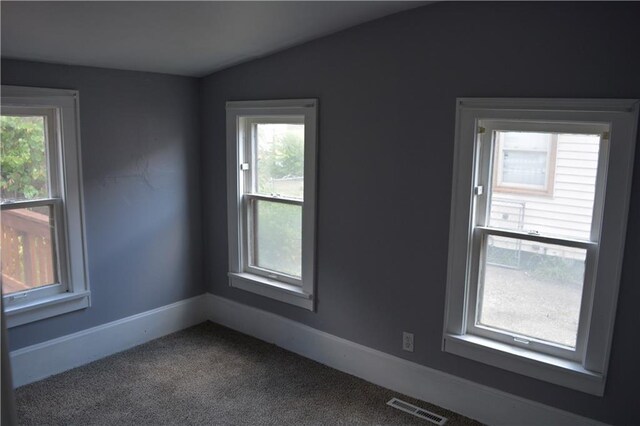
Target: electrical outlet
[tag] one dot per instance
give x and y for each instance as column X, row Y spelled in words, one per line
column 407, row 341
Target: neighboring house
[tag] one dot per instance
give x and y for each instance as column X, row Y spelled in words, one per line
column 544, row 183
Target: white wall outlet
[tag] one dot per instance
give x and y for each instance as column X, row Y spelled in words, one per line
column 407, row 341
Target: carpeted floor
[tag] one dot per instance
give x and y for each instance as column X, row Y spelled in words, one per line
column 208, row 375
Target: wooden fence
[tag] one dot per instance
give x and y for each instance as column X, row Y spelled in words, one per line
column 27, row 250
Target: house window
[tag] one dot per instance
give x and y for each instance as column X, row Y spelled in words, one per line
column 271, row 149
column 533, row 279
column 43, row 261
column 525, row 161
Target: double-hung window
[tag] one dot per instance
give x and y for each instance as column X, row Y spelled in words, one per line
column 271, row 148
column 539, row 213
column 43, row 261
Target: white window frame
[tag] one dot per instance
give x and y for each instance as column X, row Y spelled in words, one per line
column 241, row 117
column 61, row 109
column 585, row 368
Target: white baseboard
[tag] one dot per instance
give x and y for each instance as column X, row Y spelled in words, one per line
column 471, row 399
column 42, row 360
column 468, row 398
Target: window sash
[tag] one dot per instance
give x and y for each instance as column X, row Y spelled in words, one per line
column 248, row 128
column 486, row 150
column 61, row 286
column 250, row 243
column 483, row 163
column 44, row 291
column 52, row 141
column 275, row 199
column 39, row 202
column 478, row 253
column 481, row 231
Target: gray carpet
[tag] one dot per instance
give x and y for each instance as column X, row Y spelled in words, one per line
column 208, row 375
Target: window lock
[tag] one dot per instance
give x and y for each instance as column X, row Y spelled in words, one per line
column 19, row 296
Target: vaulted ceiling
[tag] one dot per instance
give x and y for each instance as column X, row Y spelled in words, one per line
column 184, row 38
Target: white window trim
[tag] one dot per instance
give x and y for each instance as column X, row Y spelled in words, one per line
column 239, row 275
column 587, row 374
column 25, row 307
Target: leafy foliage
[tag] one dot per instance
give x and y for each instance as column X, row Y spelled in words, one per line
column 23, row 158
column 284, row 157
column 281, row 159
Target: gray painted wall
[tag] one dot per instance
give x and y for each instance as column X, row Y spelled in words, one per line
column 387, row 93
column 140, row 153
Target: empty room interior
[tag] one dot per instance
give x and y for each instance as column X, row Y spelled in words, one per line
column 319, row 213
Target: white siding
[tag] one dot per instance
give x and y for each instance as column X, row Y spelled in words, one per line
column 567, row 210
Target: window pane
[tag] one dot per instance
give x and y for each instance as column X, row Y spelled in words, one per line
column 278, row 237
column 524, row 168
column 24, row 167
column 532, row 289
column 280, row 162
column 28, row 252
column 544, row 182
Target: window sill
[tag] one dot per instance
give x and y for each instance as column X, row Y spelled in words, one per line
column 560, row 371
column 277, row 290
column 59, row 304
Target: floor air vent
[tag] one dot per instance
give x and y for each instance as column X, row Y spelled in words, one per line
column 417, row 411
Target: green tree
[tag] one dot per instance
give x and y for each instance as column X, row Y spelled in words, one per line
column 23, row 158
column 285, row 156
column 281, row 159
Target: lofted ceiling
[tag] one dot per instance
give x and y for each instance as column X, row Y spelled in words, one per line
column 174, row 37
